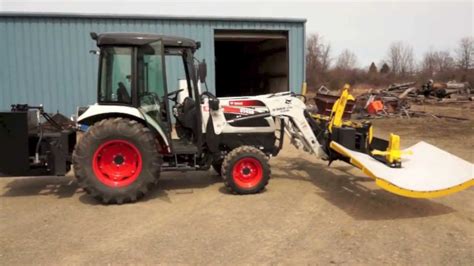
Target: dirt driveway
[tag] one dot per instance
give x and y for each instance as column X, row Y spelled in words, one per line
column 309, row 214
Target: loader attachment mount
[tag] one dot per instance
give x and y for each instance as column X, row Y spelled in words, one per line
column 421, row 171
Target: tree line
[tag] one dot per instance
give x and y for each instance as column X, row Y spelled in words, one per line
column 399, row 65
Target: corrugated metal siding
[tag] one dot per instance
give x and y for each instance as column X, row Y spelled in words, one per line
column 46, row 60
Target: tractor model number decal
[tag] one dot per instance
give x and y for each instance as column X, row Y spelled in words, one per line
column 247, row 111
column 239, row 110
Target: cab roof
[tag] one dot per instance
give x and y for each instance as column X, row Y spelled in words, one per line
column 137, row 39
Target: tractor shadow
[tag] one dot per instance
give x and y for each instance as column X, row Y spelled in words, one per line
column 60, row 186
column 171, row 184
column 358, row 197
column 63, row 187
column 178, row 183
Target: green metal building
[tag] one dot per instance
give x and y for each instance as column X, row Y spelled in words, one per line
column 45, row 58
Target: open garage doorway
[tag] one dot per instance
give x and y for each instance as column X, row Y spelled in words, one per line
column 251, row 62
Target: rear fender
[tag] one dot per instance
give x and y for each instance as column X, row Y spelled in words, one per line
column 97, row 112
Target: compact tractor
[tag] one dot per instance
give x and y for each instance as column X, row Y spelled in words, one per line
column 139, row 128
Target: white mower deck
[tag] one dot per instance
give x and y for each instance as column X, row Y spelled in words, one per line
column 430, row 172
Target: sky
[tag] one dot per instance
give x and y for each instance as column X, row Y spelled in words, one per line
column 365, row 27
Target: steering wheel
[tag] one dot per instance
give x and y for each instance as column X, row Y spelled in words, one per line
column 152, row 94
column 175, row 93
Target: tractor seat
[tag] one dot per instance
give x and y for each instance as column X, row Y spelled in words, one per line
column 189, row 113
column 187, row 118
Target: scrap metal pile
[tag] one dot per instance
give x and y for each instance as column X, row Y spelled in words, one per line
column 396, row 99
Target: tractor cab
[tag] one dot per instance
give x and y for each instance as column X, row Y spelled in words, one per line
column 133, row 76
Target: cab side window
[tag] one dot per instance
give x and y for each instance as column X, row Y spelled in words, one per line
column 116, row 73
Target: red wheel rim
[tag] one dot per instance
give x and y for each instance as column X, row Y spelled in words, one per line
column 247, row 172
column 117, row 163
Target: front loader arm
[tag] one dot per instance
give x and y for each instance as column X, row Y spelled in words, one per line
column 422, row 171
column 292, row 111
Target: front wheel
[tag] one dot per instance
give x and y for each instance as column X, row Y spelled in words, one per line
column 117, row 160
column 246, row 170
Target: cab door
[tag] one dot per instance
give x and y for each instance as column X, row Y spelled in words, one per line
column 151, row 85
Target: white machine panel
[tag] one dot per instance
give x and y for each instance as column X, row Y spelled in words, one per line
column 428, row 169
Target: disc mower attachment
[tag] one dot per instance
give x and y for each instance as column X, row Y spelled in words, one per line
column 428, row 173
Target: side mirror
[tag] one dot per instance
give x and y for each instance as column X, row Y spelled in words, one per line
column 202, row 71
column 94, row 52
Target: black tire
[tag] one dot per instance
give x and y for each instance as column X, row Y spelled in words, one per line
column 217, row 166
column 137, row 138
column 234, row 160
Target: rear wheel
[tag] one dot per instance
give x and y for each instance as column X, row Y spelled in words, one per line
column 117, row 160
column 246, row 170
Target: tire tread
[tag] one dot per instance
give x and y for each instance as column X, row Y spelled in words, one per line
column 94, row 135
column 237, row 152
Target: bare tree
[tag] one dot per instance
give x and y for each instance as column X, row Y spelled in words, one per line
column 401, row 59
column 428, row 63
column 443, row 61
column 394, row 57
column 325, row 56
column 347, row 60
column 408, row 60
column 435, row 62
column 465, row 53
column 317, row 59
column 312, row 52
